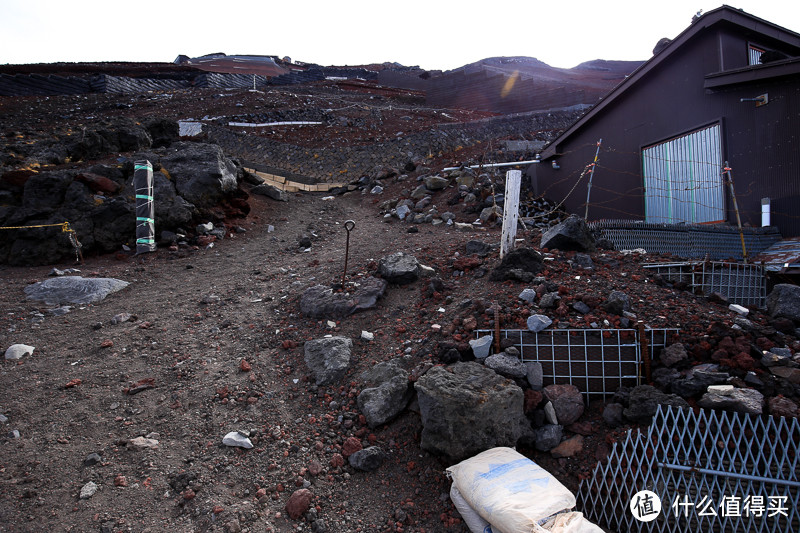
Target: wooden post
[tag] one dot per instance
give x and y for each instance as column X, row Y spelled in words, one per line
column 591, row 175
column 645, row 347
column 510, row 211
column 727, row 170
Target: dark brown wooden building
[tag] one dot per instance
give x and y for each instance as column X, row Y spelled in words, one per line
column 726, row 89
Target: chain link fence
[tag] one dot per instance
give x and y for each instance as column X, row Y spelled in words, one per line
column 711, row 471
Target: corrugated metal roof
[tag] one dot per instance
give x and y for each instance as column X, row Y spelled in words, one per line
column 263, row 66
column 780, row 256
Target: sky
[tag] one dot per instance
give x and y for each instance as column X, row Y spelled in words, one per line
column 434, row 35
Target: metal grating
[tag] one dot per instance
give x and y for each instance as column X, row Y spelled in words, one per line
column 700, row 241
column 712, row 470
column 597, row 361
column 741, row 283
column 683, row 178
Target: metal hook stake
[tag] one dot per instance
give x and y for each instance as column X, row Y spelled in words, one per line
column 348, row 226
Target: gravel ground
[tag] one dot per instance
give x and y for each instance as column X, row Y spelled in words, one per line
column 215, row 344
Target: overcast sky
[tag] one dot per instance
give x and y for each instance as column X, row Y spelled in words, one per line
column 432, row 34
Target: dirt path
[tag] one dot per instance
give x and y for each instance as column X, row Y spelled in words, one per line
column 197, row 316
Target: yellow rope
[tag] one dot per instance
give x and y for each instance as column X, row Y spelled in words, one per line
column 73, row 236
column 64, row 226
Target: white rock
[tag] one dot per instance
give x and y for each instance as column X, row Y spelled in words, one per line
column 529, row 295
column 236, row 438
column 480, row 347
column 742, row 311
column 367, row 336
column 18, row 351
column 142, row 442
column 550, row 413
column 426, row 271
column 720, row 388
column 88, row 490
column 537, row 323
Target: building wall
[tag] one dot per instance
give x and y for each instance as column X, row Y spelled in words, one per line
column 761, row 144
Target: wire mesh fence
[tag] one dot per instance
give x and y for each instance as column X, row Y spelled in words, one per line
column 740, row 283
column 596, row 361
column 711, row 471
column 685, row 240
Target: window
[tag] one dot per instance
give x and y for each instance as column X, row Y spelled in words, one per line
column 754, row 53
column 683, row 178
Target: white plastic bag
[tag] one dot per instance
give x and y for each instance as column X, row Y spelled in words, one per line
column 474, row 522
column 510, row 491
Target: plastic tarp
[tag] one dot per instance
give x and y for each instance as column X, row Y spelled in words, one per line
column 145, row 208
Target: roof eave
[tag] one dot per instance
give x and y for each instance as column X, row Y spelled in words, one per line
column 707, row 20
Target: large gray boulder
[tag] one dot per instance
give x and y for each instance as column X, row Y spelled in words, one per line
column 73, row 290
column 644, row 401
column 784, row 302
column 320, row 301
column 114, row 223
column 467, row 408
column 328, row 358
column 387, row 394
column 728, row 398
column 203, row 175
column 572, row 234
column 46, row 190
column 171, row 210
column 399, row 268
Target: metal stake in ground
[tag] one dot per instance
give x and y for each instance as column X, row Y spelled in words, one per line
column 348, row 226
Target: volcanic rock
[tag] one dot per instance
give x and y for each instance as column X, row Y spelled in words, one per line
column 202, row 173
column 572, row 234
column 729, row 398
column 468, row 408
column 388, row 394
column 368, row 459
column 644, row 400
column 506, row 365
column 73, row 290
column 784, row 302
column 567, row 402
column 320, row 301
column 399, row 268
column 519, row 263
column 328, row 358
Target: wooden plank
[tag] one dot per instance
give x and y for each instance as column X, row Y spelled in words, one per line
column 510, row 211
column 292, row 186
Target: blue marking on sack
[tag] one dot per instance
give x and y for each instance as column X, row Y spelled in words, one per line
column 501, row 469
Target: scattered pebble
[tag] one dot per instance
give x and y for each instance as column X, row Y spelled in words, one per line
column 88, row 490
